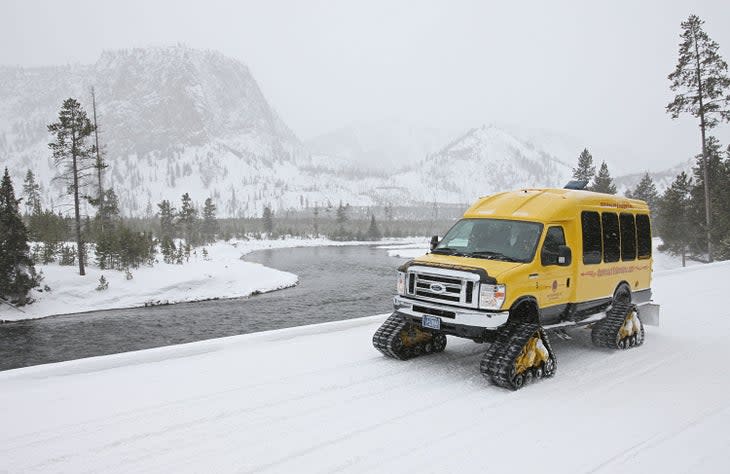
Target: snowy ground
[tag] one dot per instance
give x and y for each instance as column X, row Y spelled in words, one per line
column 223, row 275
column 320, row 398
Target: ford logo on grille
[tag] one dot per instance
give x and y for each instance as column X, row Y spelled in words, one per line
column 437, row 288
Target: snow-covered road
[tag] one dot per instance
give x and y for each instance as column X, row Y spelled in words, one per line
column 320, row 398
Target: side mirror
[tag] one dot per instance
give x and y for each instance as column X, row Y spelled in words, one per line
column 565, row 256
column 434, row 241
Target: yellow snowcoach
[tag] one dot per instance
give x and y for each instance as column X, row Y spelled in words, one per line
column 520, row 264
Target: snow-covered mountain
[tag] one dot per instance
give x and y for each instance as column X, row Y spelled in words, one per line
column 377, row 145
column 482, row 161
column 662, row 179
column 175, row 120
column 172, row 120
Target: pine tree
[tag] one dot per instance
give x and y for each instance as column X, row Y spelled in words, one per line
column 701, row 82
column 646, row 191
column 17, row 273
column 268, row 221
column 674, row 225
column 585, row 169
column 188, row 220
column 167, row 220
column 373, row 231
column 32, row 193
column 73, row 154
column 602, row 182
column 714, row 169
column 210, row 223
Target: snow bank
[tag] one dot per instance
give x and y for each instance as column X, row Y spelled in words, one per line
column 320, row 398
column 222, row 275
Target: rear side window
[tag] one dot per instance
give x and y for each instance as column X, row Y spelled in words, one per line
column 611, row 238
column 591, row 227
column 554, row 238
column 643, row 235
column 628, row 237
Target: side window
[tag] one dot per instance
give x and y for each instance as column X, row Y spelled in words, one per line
column 591, row 227
column 554, row 238
column 643, row 235
column 611, row 239
column 628, row 237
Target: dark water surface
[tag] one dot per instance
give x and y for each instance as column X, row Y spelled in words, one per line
column 334, row 283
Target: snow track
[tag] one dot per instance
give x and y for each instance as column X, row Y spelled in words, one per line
column 321, row 398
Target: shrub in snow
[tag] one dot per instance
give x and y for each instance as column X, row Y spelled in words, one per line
column 103, row 284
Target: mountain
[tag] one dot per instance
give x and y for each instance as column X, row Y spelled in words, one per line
column 171, row 120
column 377, row 145
column 662, row 179
column 481, row 161
column 175, row 120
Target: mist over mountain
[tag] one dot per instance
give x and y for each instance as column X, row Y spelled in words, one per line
column 175, row 120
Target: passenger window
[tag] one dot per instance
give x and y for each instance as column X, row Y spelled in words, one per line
column 643, row 235
column 628, row 237
column 554, row 238
column 591, row 227
column 611, row 238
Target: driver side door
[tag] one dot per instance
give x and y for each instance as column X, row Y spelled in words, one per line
column 554, row 279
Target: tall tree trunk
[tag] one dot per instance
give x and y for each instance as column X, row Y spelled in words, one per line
column 98, row 165
column 79, row 243
column 704, row 149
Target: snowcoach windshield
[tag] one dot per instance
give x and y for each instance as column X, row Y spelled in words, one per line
column 496, row 239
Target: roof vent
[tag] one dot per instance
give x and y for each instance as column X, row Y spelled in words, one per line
column 576, row 184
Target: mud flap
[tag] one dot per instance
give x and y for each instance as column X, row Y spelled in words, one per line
column 649, row 314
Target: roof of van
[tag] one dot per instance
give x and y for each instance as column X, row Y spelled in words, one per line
column 549, row 205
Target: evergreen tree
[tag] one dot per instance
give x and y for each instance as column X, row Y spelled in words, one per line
column 602, row 182
column 73, row 154
column 716, row 171
column 585, row 169
column 701, row 82
column 188, row 220
column 373, row 231
column 210, row 223
column 268, row 220
column 674, row 225
column 167, row 220
column 17, row 274
column 315, row 220
column 32, row 193
column 646, row 191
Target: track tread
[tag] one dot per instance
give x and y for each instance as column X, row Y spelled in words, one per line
column 387, row 340
column 499, row 360
column 605, row 332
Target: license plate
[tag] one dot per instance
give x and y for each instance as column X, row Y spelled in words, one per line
column 431, row 322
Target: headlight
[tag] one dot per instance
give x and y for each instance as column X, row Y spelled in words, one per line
column 401, row 286
column 491, row 296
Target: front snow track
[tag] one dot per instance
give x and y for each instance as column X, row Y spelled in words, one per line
column 520, row 354
column 399, row 339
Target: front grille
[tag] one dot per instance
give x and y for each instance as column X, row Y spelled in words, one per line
column 443, row 286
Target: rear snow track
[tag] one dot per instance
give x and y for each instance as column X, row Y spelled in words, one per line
column 321, row 398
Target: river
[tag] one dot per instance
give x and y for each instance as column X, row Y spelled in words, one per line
column 334, row 283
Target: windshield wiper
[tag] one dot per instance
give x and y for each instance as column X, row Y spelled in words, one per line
column 492, row 256
column 447, row 251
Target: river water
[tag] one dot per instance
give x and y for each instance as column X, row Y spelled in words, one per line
column 334, row 283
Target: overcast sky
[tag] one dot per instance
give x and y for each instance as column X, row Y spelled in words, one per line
column 595, row 72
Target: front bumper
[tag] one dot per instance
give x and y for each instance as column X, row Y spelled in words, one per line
column 451, row 315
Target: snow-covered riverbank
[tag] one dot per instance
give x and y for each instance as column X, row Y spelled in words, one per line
column 221, row 275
